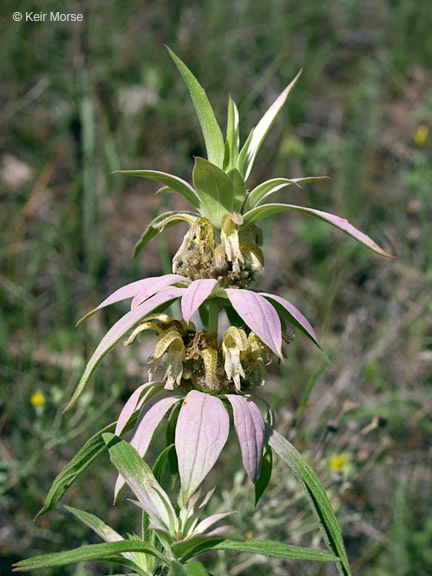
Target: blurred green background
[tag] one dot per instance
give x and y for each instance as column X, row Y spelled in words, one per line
column 79, row 100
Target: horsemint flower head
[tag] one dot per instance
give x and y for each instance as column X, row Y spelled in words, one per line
column 219, row 258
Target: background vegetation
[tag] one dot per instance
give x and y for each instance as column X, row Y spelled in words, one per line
column 81, row 100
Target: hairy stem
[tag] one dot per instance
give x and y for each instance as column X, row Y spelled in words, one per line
column 213, row 316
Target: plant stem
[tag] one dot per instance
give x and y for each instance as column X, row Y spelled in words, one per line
column 213, row 316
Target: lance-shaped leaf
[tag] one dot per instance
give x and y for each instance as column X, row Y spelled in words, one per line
column 316, row 495
column 117, row 332
column 205, row 524
column 190, row 569
column 201, row 432
column 149, row 419
column 232, row 141
column 142, row 482
column 156, row 285
column 215, row 190
column 265, row 475
column 176, row 569
column 109, row 552
column 134, row 402
column 264, row 547
column 97, row 525
column 258, row 194
column 249, row 425
column 160, row 461
column 296, row 317
column 210, row 128
column 256, row 137
column 142, row 288
column 239, row 189
column 174, row 182
column 194, row 296
column 259, row 315
column 267, row 210
column 195, row 569
column 162, row 221
column 79, row 463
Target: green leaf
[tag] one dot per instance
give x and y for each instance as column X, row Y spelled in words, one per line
column 212, row 133
column 170, row 439
column 95, row 552
column 257, row 135
column 267, row 210
column 159, row 464
column 176, row 569
column 141, row 481
column 215, row 190
column 166, row 189
column 316, row 495
column 242, row 160
column 184, row 549
column 239, row 188
column 265, row 475
column 232, row 142
column 195, row 569
column 191, row 569
column 177, row 184
column 79, row 463
column 129, row 574
column 258, row 194
column 96, row 524
column 264, row 547
column 110, row 535
column 158, row 224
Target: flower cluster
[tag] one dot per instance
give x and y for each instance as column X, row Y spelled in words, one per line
column 234, row 261
column 212, row 271
column 194, row 359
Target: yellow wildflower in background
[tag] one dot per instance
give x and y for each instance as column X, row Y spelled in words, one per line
column 37, row 398
column 341, row 463
column 421, row 135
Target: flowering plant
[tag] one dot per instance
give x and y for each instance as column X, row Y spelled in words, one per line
column 202, row 376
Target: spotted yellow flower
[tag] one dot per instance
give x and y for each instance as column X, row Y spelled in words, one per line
column 37, row 398
column 234, row 342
